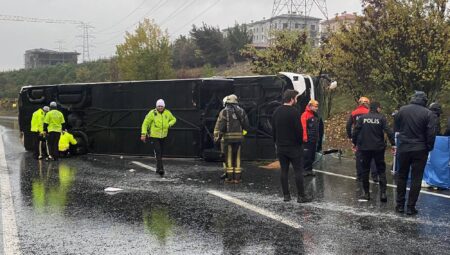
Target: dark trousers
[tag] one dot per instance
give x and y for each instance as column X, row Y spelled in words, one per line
column 359, row 167
column 35, row 139
column 52, row 144
column 367, row 157
column 413, row 161
column 309, row 150
column 158, row 150
column 292, row 156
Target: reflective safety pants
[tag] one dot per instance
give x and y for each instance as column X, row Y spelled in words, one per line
column 232, row 159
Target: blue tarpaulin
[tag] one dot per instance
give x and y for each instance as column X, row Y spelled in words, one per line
column 437, row 170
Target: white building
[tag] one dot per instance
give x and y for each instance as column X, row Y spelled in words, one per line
column 260, row 29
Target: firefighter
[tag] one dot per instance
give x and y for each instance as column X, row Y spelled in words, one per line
column 37, row 131
column 310, row 124
column 229, row 131
column 158, row 121
column 65, row 141
column 363, row 108
column 53, row 125
column 368, row 137
column 417, row 132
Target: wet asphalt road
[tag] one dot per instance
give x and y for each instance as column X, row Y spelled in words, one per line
column 62, row 208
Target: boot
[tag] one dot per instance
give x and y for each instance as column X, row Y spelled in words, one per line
column 400, row 208
column 364, row 197
column 229, row 175
column 237, row 178
column 411, row 210
column 287, row 197
column 383, row 197
column 304, row 199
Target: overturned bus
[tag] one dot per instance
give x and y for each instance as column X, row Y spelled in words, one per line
column 106, row 117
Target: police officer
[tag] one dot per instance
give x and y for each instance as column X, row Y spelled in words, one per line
column 229, row 128
column 65, row 141
column 368, row 137
column 310, row 124
column 53, row 125
column 416, row 126
column 363, row 108
column 37, row 131
column 157, row 121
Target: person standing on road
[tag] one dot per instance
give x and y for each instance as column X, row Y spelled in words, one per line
column 416, row 127
column 363, row 108
column 53, row 125
column 37, row 131
column 287, row 135
column 156, row 126
column 310, row 125
column 229, row 131
column 368, row 137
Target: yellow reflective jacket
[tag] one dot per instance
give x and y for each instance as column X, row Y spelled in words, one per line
column 37, row 121
column 65, row 140
column 54, row 119
column 158, row 123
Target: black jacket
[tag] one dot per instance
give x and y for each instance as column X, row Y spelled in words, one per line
column 416, row 126
column 286, row 128
column 368, row 132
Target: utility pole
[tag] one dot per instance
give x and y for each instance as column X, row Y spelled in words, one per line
column 60, row 44
column 86, row 37
column 86, row 34
column 303, row 7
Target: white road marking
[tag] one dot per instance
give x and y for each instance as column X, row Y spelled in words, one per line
column 10, row 234
column 144, row 165
column 256, row 209
column 389, row 185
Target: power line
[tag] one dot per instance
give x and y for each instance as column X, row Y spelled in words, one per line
column 120, row 21
column 175, row 13
column 196, row 17
column 120, row 33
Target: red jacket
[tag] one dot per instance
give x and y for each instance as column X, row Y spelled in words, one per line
column 360, row 110
column 310, row 125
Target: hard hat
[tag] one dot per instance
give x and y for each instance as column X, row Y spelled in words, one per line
column 46, row 108
column 313, row 102
column 53, row 104
column 231, row 99
column 364, row 100
column 224, row 100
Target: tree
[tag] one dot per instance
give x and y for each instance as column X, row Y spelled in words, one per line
column 211, row 44
column 290, row 51
column 397, row 46
column 145, row 54
column 237, row 38
column 186, row 53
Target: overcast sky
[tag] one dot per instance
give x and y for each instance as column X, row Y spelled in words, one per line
column 111, row 18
